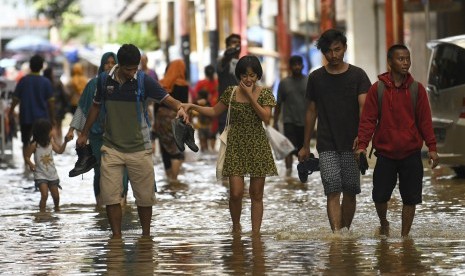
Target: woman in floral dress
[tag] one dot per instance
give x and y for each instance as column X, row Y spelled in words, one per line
column 248, row 152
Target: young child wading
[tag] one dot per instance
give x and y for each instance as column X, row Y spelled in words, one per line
column 45, row 173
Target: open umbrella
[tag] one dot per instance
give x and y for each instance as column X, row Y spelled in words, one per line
column 30, row 43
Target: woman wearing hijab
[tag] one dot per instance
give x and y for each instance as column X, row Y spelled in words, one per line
column 174, row 82
column 76, row 85
column 107, row 62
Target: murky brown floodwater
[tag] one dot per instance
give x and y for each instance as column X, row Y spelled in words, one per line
column 191, row 229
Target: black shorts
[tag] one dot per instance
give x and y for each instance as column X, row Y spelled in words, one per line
column 410, row 172
column 295, row 134
column 26, row 134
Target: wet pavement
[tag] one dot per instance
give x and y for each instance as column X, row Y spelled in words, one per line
column 191, row 228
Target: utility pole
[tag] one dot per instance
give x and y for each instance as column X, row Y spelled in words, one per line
column 185, row 37
column 163, row 29
column 328, row 15
column 212, row 26
column 284, row 39
column 394, row 22
column 240, row 23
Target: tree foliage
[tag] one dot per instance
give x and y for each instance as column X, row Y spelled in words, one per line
column 57, row 10
column 134, row 33
column 66, row 15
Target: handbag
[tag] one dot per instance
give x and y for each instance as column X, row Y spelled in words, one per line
column 280, row 144
column 223, row 143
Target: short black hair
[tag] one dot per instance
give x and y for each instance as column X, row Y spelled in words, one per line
column 246, row 62
column 296, row 60
column 36, row 63
column 48, row 73
column 41, row 132
column 328, row 37
column 395, row 47
column 230, row 37
column 128, row 54
column 209, row 71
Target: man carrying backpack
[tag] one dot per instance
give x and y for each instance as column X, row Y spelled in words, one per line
column 400, row 121
column 126, row 138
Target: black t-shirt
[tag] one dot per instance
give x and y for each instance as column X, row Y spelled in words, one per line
column 336, row 98
column 226, row 76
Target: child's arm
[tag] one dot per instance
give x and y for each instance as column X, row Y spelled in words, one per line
column 30, row 149
column 70, row 134
column 60, row 149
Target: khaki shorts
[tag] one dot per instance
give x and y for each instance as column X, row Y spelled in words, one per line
column 140, row 172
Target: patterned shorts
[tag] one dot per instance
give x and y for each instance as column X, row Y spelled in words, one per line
column 339, row 172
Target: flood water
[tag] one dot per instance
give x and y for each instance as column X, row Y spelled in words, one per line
column 191, row 229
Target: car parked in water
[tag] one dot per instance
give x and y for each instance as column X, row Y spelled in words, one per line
column 446, row 93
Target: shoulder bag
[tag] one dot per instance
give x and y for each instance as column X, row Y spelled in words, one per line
column 223, row 143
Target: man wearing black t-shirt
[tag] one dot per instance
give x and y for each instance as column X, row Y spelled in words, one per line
column 335, row 95
column 225, row 70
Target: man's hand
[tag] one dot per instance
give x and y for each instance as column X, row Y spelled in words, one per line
column 363, row 162
column 82, row 140
column 433, row 159
column 182, row 113
column 186, row 106
column 304, row 153
column 355, row 144
column 232, row 51
column 357, row 154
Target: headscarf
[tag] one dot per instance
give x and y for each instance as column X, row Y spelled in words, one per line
column 78, row 80
column 104, row 59
column 87, row 97
column 175, row 75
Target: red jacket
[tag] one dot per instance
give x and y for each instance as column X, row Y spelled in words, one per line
column 399, row 132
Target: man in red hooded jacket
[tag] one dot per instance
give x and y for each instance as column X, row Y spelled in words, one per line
column 398, row 137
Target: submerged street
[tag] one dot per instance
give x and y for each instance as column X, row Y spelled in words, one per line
column 191, row 228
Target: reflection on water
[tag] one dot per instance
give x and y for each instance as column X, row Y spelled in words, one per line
column 191, row 229
column 400, row 257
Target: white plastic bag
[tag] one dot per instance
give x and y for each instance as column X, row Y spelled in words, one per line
column 281, row 146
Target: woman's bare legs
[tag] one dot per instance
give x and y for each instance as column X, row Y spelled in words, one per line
column 236, row 193
column 257, row 185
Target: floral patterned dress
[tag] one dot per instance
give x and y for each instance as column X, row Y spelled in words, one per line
column 248, row 152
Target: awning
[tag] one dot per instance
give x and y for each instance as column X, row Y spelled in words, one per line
column 139, row 11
